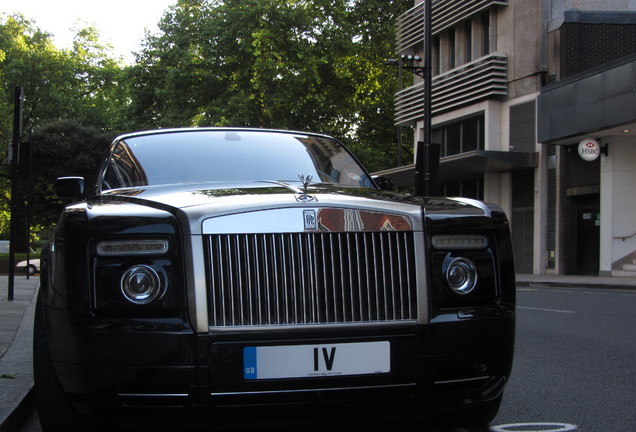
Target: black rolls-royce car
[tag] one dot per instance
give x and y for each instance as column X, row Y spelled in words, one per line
column 217, row 276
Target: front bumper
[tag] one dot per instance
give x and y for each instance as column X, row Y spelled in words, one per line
column 453, row 362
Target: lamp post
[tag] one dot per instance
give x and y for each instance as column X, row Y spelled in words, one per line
column 427, row 153
column 15, row 151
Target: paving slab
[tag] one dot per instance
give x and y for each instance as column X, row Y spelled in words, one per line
column 16, row 335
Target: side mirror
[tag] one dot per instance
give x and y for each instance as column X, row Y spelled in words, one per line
column 384, row 183
column 70, row 187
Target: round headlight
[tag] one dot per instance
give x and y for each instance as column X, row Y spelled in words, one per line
column 140, row 284
column 461, row 276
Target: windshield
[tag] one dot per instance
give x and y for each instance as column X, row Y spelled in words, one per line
column 230, row 155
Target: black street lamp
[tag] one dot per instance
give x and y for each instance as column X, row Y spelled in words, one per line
column 15, row 153
column 408, row 62
column 427, row 155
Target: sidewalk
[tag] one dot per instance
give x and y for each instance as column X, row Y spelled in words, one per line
column 576, row 281
column 16, row 333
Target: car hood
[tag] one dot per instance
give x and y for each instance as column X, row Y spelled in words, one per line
column 194, row 203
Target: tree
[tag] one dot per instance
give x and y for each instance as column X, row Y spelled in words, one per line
column 62, row 148
column 99, row 83
column 81, row 84
column 293, row 64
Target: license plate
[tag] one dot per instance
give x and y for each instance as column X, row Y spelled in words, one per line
column 305, row 361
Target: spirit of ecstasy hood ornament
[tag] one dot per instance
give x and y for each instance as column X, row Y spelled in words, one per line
column 304, row 196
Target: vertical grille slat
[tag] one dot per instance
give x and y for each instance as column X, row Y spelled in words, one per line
column 310, row 278
column 376, row 270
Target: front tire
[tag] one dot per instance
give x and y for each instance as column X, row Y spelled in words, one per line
column 55, row 411
column 478, row 415
column 481, row 414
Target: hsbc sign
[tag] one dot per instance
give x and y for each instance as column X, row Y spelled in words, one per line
column 589, row 149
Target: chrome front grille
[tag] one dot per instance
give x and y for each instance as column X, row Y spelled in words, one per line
column 310, row 278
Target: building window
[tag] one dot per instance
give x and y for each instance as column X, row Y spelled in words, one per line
column 451, row 49
column 468, row 39
column 437, row 47
column 485, row 32
column 460, row 137
column 453, row 141
column 472, row 133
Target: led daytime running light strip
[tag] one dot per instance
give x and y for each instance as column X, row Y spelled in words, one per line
column 460, row 241
column 132, row 247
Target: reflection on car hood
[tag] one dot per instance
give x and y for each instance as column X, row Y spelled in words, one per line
column 192, row 195
column 194, row 203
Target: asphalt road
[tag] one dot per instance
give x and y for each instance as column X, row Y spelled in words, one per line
column 575, row 361
column 575, row 365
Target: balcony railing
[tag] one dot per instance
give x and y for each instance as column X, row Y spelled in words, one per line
column 445, row 14
column 479, row 80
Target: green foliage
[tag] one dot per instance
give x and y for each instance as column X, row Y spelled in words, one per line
column 293, row 64
column 84, row 84
column 59, row 149
column 81, row 84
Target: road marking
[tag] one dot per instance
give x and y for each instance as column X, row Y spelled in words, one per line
column 535, row 427
column 545, row 310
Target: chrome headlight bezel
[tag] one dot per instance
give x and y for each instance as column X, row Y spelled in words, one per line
column 461, row 276
column 141, row 285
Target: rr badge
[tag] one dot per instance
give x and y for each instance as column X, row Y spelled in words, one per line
column 311, row 222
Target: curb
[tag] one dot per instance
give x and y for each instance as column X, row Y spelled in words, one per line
column 562, row 284
column 17, row 389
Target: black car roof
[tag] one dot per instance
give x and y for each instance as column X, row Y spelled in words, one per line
column 215, row 129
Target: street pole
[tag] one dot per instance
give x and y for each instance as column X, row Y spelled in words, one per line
column 15, row 152
column 427, row 157
column 399, row 149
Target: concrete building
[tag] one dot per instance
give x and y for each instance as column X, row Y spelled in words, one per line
column 517, row 85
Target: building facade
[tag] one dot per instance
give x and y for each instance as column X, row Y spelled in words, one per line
column 517, row 86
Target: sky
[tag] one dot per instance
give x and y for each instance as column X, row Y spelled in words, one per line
column 121, row 23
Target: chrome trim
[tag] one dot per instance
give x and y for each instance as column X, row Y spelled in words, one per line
column 196, row 284
column 421, row 274
column 379, row 387
column 155, row 292
column 383, row 324
column 463, row 380
column 292, row 220
column 468, row 284
column 153, row 395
